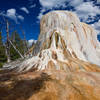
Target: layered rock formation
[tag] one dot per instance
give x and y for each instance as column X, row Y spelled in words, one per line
column 65, row 65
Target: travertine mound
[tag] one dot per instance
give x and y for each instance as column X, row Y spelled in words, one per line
column 64, row 42
column 63, row 30
column 67, row 57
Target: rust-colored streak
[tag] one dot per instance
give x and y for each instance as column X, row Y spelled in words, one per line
column 75, row 30
column 74, row 54
column 93, row 44
column 54, row 55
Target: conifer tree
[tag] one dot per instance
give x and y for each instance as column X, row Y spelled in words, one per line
column 3, row 57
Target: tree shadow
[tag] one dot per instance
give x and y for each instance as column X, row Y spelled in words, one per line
column 23, row 89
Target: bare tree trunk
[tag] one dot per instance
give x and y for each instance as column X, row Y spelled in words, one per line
column 24, row 42
column 8, row 44
column 16, row 49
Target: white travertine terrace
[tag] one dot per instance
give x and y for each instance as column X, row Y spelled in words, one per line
column 63, row 42
column 79, row 38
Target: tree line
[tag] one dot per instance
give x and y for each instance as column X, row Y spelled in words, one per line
column 13, row 47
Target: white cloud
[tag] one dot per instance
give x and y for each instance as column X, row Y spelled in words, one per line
column 87, row 9
column 52, row 3
column 20, row 17
column 25, row 10
column 98, row 1
column 96, row 25
column 41, row 13
column 31, row 41
column 33, row 6
column 11, row 13
column 40, row 16
column 75, row 2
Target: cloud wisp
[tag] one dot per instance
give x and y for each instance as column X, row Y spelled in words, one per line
column 25, row 10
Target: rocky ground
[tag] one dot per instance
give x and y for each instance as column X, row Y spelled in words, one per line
column 50, row 85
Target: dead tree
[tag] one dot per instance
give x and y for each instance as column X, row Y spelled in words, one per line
column 24, row 42
column 10, row 43
column 7, row 44
column 16, row 49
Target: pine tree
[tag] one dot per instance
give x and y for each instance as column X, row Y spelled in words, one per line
column 3, row 57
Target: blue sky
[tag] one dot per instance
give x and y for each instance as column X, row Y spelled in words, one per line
column 26, row 14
